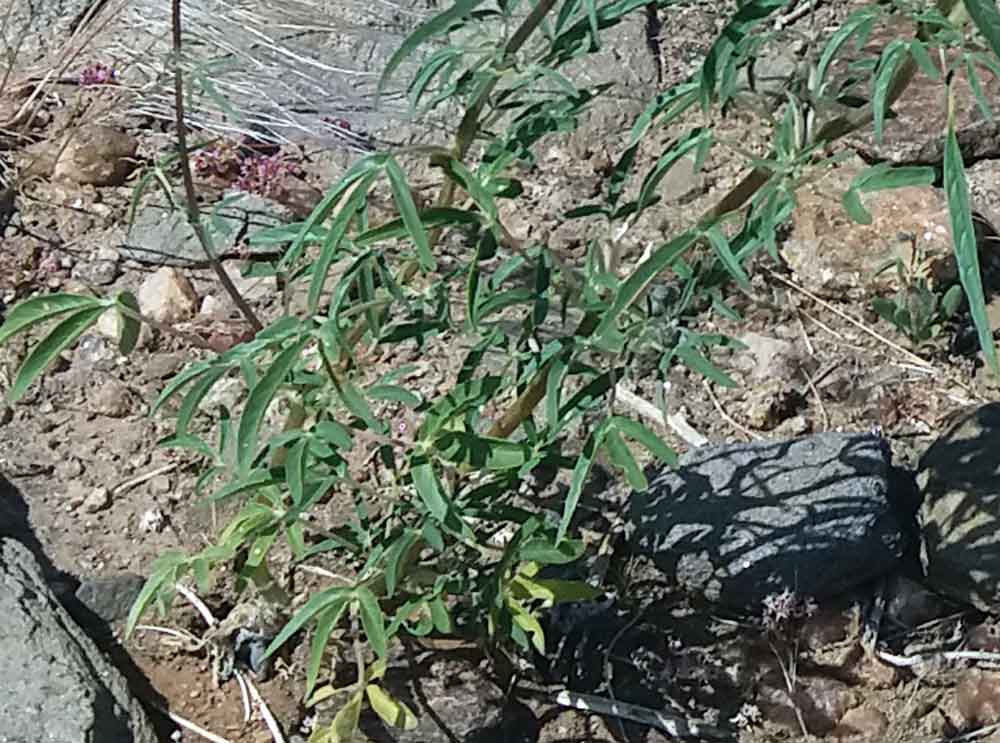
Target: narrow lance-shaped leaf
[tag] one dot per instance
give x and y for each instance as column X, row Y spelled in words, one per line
column 985, row 15
column 39, row 309
column 372, row 620
column 61, row 338
column 128, row 334
column 425, row 32
column 892, row 57
column 408, row 213
column 259, row 399
column 966, row 250
column 325, row 624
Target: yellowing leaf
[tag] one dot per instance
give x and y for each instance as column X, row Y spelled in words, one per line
column 393, row 711
column 526, row 621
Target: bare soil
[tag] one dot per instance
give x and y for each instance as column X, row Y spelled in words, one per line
column 86, row 426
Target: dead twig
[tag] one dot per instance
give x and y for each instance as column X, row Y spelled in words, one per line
column 727, row 417
column 645, row 409
column 819, row 399
column 909, row 355
column 129, row 484
column 671, row 724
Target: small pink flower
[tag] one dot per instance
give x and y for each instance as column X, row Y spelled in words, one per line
column 98, row 74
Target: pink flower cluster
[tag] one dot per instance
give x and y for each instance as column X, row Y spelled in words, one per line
column 267, row 176
column 221, row 161
column 98, row 74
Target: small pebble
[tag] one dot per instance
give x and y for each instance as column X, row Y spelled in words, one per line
column 98, row 500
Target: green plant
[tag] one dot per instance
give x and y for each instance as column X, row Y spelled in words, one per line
column 919, row 310
column 424, row 557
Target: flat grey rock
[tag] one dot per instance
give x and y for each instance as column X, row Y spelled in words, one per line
column 56, row 685
column 959, row 478
column 110, row 597
column 736, row 523
column 162, row 236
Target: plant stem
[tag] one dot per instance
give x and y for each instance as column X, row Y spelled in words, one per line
column 193, row 213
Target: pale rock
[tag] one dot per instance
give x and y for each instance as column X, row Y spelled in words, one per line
column 160, row 485
column 210, row 306
column 152, row 521
column 98, row 500
column 866, row 722
column 76, row 494
column 167, row 296
column 111, row 398
column 252, row 288
column 97, row 155
column 830, row 252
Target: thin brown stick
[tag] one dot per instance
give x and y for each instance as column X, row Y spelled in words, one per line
column 909, row 355
column 726, row 416
column 193, row 213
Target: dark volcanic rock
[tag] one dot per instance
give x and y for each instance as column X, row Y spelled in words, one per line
column 735, row 523
column 56, row 684
column 959, row 477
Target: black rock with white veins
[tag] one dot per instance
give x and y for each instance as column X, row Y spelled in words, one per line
column 735, row 523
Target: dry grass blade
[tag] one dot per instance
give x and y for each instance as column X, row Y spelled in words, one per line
column 292, row 69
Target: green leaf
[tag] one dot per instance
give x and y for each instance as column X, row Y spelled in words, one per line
column 857, row 21
column 254, row 481
column 192, row 400
column 330, row 598
column 893, row 55
column 161, row 579
column 394, row 393
column 918, row 50
column 425, row 32
column 372, row 620
column 985, row 15
column 966, row 252
column 722, row 249
column 621, row 457
column 257, row 402
column 479, row 193
column 885, row 176
column 554, row 591
column 977, row 90
column 356, row 403
column 690, row 141
column 327, row 621
column 581, row 470
column 437, row 216
column 531, row 626
column 697, row 361
column 128, row 335
column 61, row 338
column 951, row 301
column 338, row 230
column 481, row 452
column 295, row 470
column 653, row 443
column 408, row 213
column 39, row 309
column 334, row 434
column 854, row 207
column 641, row 278
column 394, row 557
column 426, row 482
column 393, row 711
column 543, row 550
